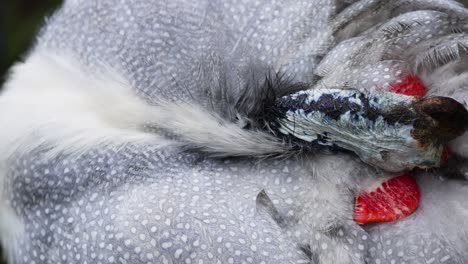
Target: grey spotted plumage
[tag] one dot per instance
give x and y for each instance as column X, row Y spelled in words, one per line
column 179, row 170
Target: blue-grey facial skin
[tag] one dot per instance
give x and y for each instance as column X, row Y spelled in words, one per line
column 151, row 204
column 340, row 118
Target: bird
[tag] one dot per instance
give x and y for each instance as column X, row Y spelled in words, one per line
column 138, row 131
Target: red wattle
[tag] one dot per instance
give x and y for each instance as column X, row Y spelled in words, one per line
column 391, row 200
column 409, row 85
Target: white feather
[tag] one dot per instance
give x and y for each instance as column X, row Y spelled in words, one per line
column 52, row 100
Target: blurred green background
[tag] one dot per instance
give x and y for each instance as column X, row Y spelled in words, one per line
column 19, row 22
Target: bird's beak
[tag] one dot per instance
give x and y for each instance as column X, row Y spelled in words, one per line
column 443, row 118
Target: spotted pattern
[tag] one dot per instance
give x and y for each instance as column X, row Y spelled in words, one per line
column 134, row 204
column 127, row 205
column 151, row 205
column 157, row 43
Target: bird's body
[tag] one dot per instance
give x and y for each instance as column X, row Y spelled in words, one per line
column 130, row 133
